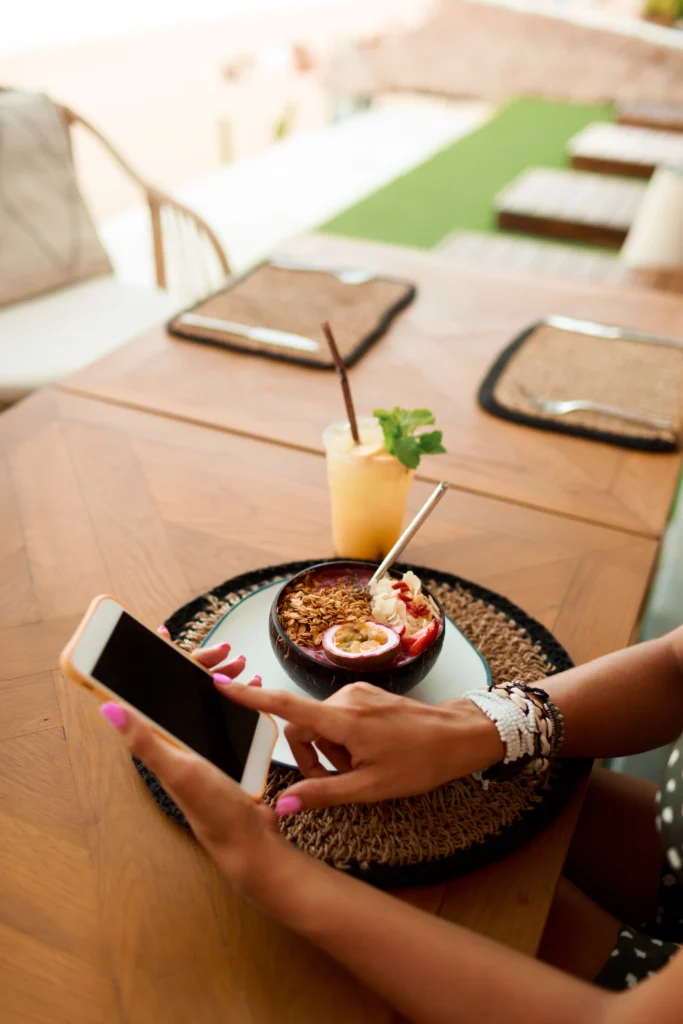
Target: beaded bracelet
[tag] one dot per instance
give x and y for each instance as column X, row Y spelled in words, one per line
column 529, row 724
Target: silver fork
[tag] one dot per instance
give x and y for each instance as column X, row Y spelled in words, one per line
column 559, row 408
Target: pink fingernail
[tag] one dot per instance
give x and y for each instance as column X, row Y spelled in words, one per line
column 221, row 679
column 162, row 629
column 257, row 679
column 114, row 713
column 224, row 647
column 288, row 805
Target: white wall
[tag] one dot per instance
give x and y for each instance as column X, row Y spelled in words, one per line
column 159, row 94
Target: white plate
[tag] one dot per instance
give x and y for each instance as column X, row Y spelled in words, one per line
column 459, row 667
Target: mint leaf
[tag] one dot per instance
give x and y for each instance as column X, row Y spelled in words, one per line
column 391, row 429
column 418, row 418
column 407, row 451
column 430, row 444
column 399, row 426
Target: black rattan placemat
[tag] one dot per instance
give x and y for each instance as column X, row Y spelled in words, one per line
column 636, row 376
column 436, row 836
column 297, row 302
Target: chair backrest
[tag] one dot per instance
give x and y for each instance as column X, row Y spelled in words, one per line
column 188, row 257
column 48, row 238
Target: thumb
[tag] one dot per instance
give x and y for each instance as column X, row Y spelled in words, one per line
column 329, row 791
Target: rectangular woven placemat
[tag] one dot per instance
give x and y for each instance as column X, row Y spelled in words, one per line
column 298, row 301
column 637, row 376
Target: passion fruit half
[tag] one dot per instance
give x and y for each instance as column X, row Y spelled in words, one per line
column 361, row 645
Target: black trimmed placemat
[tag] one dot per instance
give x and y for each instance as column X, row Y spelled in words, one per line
column 436, row 836
column 638, row 376
column 298, row 301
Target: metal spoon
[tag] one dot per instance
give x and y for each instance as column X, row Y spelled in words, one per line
column 410, row 531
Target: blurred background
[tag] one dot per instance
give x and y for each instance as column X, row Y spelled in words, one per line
column 396, row 120
column 183, row 88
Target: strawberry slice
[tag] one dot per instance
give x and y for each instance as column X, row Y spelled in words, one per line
column 422, row 640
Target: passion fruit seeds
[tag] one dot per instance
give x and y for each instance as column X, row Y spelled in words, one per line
column 360, row 645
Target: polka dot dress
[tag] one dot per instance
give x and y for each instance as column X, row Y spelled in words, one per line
column 639, row 953
column 670, row 811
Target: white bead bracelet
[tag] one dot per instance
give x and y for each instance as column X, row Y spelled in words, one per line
column 528, row 723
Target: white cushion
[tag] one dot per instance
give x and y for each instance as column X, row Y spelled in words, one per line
column 48, row 338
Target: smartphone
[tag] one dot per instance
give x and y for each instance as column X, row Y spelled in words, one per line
column 117, row 657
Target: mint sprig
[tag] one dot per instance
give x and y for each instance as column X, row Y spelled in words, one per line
column 400, row 438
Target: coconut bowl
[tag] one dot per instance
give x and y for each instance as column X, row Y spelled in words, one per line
column 318, row 676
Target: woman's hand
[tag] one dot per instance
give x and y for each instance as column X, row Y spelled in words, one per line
column 241, row 835
column 383, row 746
column 212, row 658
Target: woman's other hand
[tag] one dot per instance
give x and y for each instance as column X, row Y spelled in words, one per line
column 382, row 745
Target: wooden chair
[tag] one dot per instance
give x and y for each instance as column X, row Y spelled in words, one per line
column 175, row 227
column 49, row 336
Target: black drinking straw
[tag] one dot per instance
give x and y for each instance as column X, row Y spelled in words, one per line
column 346, row 390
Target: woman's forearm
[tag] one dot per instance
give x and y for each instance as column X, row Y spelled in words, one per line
column 623, row 703
column 429, row 970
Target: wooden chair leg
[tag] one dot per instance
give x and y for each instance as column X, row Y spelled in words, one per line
column 158, row 243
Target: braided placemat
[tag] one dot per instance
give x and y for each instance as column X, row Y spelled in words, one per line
column 636, row 376
column 434, row 836
column 298, row 301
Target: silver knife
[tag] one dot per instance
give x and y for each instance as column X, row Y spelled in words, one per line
column 346, row 275
column 265, row 335
column 609, row 333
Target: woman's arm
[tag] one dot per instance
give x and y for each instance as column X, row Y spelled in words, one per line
column 429, row 970
column 387, row 746
column 625, row 702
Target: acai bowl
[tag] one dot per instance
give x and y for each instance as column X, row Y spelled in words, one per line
column 328, row 629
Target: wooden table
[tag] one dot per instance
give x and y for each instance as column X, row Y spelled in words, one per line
column 435, row 355
column 108, row 912
column 565, row 204
column 624, row 149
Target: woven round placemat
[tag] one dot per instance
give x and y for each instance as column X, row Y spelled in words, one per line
column 434, row 836
column 637, row 376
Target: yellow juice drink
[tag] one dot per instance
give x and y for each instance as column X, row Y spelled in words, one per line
column 368, row 490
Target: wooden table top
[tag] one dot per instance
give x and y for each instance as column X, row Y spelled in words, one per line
column 435, row 355
column 109, row 912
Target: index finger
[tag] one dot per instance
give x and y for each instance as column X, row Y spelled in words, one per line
column 290, row 706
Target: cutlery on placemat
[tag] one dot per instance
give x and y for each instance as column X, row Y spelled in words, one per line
column 345, row 275
column 609, row 333
column 561, row 408
column 264, row 335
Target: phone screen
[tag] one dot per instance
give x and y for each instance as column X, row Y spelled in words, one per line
column 154, row 678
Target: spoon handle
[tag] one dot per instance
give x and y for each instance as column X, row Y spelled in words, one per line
column 410, row 531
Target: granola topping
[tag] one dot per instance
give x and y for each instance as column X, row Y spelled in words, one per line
column 308, row 609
